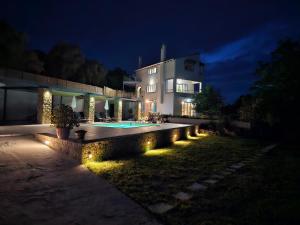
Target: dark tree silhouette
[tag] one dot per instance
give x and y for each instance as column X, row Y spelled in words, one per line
column 91, row 72
column 114, row 78
column 209, row 102
column 277, row 92
column 64, row 60
column 12, row 46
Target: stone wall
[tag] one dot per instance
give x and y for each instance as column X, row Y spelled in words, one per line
column 89, row 107
column 44, row 106
column 71, row 148
column 118, row 109
column 117, row 147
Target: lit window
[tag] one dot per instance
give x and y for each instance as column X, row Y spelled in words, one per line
column 152, row 70
column 183, row 88
column 151, row 88
column 169, row 85
column 187, row 108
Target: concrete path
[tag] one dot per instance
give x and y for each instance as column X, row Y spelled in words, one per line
column 41, row 186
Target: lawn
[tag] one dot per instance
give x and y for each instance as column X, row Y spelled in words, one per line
column 263, row 192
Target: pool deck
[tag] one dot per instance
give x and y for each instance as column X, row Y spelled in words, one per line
column 93, row 132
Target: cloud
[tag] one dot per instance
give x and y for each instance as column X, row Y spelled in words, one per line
column 231, row 68
column 259, row 42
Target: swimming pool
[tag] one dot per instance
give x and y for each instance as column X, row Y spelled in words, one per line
column 125, row 125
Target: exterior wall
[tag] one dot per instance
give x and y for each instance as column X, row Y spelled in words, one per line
column 118, row 109
column 164, row 101
column 44, row 106
column 116, row 147
column 169, row 102
column 181, row 72
column 89, row 107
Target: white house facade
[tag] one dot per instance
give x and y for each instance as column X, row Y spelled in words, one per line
column 168, row 86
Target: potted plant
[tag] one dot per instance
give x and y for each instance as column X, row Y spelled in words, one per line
column 80, row 134
column 63, row 119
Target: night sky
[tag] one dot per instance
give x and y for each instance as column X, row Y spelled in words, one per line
column 231, row 36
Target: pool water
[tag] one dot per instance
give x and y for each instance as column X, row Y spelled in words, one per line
column 125, row 125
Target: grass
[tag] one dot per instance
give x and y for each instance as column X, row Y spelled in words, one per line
column 264, row 193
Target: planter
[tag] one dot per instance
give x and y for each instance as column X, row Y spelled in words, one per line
column 63, row 133
column 80, row 134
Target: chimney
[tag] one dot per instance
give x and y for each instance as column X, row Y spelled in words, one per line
column 140, row 61
column 163, row 53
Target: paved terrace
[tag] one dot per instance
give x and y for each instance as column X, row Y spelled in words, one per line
column 40, row 186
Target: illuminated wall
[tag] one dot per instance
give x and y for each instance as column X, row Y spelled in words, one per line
column 44, row 107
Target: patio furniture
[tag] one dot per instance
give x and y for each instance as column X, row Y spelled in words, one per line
column 80, row 117
column 99, row 116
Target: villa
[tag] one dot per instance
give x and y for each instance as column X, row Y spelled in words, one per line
column 168, row 86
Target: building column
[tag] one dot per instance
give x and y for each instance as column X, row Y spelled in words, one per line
column 138, row 110
column 89, row 108
column 44, row 107
column 118, row 109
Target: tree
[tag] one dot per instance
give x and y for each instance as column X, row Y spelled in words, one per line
column 12, row 45
column 64, row 60
column 115, row 77
column 91, row 72
column 276, row 93
column 33, row 61
column 209, row 102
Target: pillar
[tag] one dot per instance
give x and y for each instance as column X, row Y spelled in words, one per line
column 89, row 108
column 44, row 107
column 138, row 110
column 118, row 109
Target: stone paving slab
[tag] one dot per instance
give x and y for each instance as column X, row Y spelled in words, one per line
column 40, row 186
column 237, row 165
column 268, row 148
column 232, row 170
column 197, row 187
column 210, row 181
column 226, row 173
column 161, row 208
column 217, row 176
column 183, row 196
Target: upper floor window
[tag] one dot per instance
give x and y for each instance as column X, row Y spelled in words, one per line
column 169, row 85
column 189, row 65
column 183, row 88
column 151, row 88
column 152, row 70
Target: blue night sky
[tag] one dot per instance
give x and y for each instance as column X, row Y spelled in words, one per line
column 231, row 36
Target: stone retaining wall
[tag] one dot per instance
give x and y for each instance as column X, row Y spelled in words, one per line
column 117, row 147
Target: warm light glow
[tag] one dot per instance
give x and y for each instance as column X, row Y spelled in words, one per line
column 158, row 152
column 104, row 167
column 47, row 94
column 148, row 142
column 203, row 135
column 46, row 142
column 90, row 156
column 147, row 101
column 175, row 136
column 182, row 143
